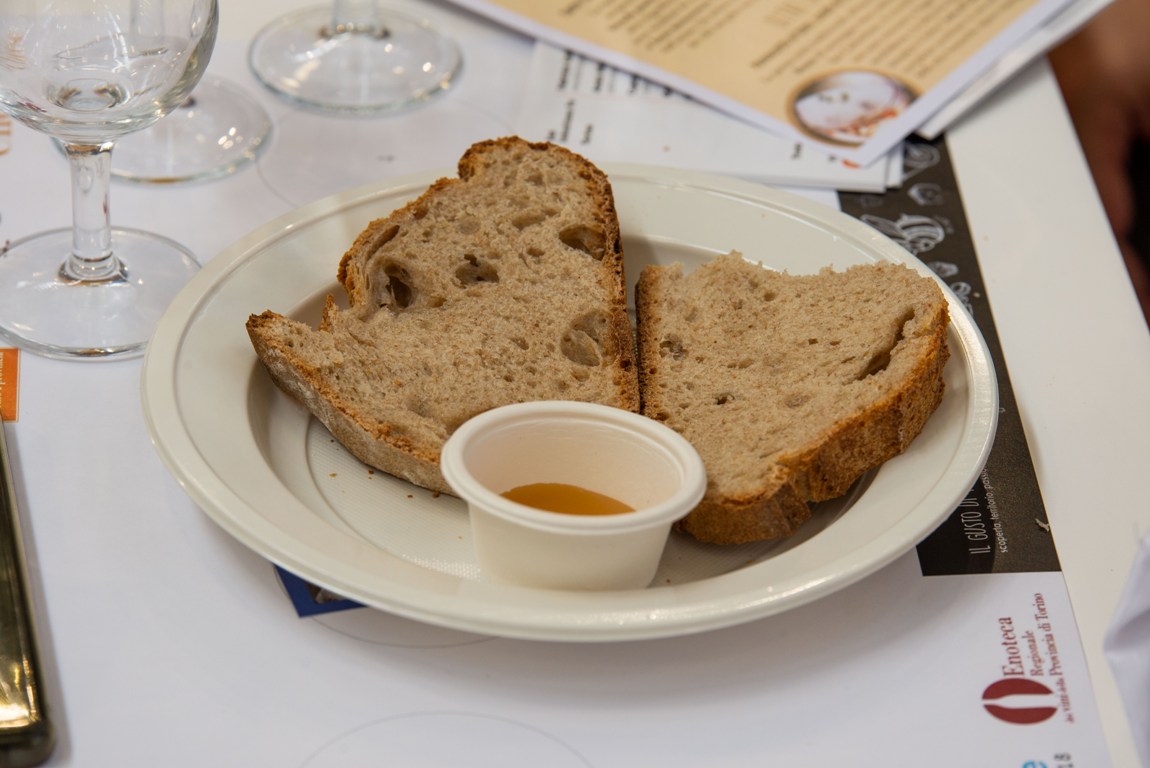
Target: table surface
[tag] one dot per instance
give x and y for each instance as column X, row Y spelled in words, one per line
column 155, row 622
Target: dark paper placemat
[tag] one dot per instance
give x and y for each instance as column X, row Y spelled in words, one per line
column 1001, row 526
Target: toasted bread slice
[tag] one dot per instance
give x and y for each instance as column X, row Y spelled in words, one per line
column 503, row 285
column 789, row 386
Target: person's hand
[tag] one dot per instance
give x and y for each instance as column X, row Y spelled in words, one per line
column 1104, row 72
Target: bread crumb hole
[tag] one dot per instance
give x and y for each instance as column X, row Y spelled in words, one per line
column 724, row 397
column 877, row 364
column 672, row 347
column 528, row 219
column 579, row 348
column 586, row 239
column 880, row 360
column 581, row 342
column 476, row 270
column 419, row 407
column 385, row 237
column 398, row 291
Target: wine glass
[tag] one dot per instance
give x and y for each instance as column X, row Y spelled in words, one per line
column 353, row 56
column 87, row 72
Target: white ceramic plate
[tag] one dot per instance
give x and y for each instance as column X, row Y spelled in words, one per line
column 271, row 476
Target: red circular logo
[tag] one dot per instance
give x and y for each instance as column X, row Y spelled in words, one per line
column 1019, row 700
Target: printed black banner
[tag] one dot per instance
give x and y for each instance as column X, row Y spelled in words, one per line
column 1001, row 526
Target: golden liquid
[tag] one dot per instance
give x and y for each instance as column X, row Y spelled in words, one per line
column 566, row 499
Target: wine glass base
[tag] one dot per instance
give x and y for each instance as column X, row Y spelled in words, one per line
column 219, row 130
column 44, row 312
column 302, row 59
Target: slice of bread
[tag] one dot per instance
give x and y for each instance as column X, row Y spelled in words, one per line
column 503, row 285
column 789, row 386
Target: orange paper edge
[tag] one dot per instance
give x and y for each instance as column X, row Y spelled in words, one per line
column 9, row 384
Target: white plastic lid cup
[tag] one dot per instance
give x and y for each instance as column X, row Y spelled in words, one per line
column 633, row 459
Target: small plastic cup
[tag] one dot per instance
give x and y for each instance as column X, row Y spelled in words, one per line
column 628, row 457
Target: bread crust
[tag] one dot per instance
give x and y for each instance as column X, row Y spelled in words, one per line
column 825, row 463
column 360, row 343
column 372, row 441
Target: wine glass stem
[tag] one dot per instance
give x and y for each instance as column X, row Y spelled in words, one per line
column 91, row 259
column 360, row 16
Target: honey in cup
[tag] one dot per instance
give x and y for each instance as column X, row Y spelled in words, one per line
column 566, row 499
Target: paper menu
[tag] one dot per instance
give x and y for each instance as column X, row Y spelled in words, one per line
column 852, row 77
column 1056, row 30
column 610, row 115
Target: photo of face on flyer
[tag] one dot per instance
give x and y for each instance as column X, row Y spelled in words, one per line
column 848, row 107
